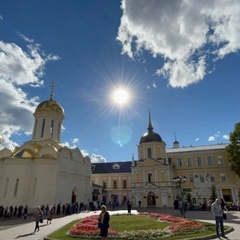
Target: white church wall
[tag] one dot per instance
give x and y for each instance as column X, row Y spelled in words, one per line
column 64, row 191
column 77, row 155
column 44, row 172
column 14, row 182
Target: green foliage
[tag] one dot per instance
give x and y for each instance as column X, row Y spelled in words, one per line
column 213, row 196
column 233, row 149
column 189, row 198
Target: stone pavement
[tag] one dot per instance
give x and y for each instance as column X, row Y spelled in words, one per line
column 24, row 231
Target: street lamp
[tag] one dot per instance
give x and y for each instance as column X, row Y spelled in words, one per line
column 179, row 180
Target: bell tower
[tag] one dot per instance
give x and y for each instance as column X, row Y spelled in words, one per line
column 48, row 120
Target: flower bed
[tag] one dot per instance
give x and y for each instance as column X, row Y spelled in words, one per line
column 87, row 227
column 178, row 225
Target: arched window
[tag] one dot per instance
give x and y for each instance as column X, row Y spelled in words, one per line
column 6, row 187
column 149, row 152
column 149, row 177
column 59, row 130
column 51, row 130
column 35, row 126
column 16, row 187
column 43, row 125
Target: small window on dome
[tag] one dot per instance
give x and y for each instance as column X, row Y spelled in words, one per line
column 116, row 166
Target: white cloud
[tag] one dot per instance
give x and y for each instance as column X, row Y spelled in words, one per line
column 211, row 139
column 225, row 137
column 183, row 33
column 95, row 158
column 1, row 17
column 197, row 139
column 18, row 69
column 216, row 135
column 75, row 140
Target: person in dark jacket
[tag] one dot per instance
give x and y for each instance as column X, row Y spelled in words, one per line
column 103, row 222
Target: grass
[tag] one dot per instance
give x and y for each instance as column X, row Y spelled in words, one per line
column 132, row 222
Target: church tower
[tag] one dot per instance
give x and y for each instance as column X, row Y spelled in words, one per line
column 152, row 173
column 48, row 120
column 151, row 144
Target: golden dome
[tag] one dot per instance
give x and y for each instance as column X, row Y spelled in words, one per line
column 49, row 106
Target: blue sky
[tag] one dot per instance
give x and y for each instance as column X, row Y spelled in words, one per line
column 177, row 59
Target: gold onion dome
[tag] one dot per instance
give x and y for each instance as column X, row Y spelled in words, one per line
column 49, row 106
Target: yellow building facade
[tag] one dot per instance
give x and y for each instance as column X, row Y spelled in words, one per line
column 149, row 180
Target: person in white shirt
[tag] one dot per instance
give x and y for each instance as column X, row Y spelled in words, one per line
column 218, row 212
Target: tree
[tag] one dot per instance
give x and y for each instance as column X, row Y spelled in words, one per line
column 233, row 149
column 213, row 196
column 189, row 198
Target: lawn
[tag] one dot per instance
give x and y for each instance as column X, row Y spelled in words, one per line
column 146, row 226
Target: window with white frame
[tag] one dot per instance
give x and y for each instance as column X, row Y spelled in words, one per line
column 116, row 166
column 114, row 183
column 209, row 160
column 189, row 162
column 191, row 178
column 212, row 177
column 149, row 152
column 220, row 159
column 179, row 162
column 223, row 177
column 199, row 161
column 104, row 184
column 201, row 178
column 124, row 183
column 149, row 177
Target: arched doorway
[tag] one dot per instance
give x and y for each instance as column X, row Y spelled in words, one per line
column 151, row 199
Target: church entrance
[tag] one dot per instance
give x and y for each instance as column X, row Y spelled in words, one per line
column 151, row 199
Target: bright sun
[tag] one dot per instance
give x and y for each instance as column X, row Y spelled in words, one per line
column 120, row 96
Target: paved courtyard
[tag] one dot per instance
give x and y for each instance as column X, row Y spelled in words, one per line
column 19, row 229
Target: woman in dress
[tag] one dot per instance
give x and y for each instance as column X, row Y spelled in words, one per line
column 103, row 222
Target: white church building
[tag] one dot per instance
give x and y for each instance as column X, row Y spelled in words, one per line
column 42, row 171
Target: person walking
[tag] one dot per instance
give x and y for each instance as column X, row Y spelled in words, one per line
column 218, row 212
column 50, row 215
column 38, row 214
column 103, row 222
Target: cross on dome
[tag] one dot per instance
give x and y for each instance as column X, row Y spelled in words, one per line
column 51, row 86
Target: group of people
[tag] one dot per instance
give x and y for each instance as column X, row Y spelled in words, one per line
column 218, row 208
column 10, row 211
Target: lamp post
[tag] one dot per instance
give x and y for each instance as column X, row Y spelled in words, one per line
column 179, row 180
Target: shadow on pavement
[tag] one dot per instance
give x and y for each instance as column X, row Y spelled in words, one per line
column 25, row 235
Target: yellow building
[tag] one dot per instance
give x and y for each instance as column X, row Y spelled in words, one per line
column 150, row 179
